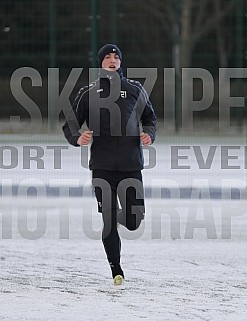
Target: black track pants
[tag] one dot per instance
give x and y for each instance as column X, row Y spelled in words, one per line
column 109, row 186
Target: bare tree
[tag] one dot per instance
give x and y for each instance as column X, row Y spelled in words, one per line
column 195, row 19
column 224, row 35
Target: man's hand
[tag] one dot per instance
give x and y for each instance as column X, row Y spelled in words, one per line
column 85, row 138
column 145, row 139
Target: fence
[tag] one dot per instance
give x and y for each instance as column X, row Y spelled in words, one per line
column 158, row 34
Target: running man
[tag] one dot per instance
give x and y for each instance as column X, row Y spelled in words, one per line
column 120, row 119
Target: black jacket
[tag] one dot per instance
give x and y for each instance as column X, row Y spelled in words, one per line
column 114, row 118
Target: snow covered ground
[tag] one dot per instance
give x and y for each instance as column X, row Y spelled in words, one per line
column 186, row 262
column 174, row 270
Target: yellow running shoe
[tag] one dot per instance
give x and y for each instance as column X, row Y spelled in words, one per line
column 118, row 280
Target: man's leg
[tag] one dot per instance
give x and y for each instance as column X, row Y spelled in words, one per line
column 131, row 195
column 105, row 192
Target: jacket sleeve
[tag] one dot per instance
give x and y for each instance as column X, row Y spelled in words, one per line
column 75, row 118
column 147, row 114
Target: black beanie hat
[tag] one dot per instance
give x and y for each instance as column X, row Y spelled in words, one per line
column 106, row 49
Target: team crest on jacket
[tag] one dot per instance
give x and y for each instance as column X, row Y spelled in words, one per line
column 123, row 93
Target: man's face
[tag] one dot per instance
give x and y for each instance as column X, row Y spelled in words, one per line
column 111, row 62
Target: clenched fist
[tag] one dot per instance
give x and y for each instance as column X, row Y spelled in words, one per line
column 85, row 138
column 145, row 139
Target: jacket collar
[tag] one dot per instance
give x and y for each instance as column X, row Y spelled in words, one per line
column 103, row 73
